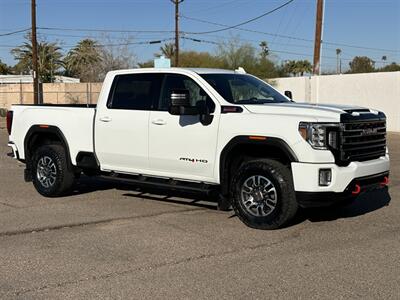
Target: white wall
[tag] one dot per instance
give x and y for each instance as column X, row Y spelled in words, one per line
column 379, row 91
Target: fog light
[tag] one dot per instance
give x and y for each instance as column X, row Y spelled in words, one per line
column 325, row 177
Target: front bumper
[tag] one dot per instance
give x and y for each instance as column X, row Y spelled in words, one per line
column 306, row 175
column 356, row 187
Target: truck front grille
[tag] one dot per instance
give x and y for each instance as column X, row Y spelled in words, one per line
column 364, row 140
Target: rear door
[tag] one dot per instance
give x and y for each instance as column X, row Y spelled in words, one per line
column 121, row 129
column 181, row 146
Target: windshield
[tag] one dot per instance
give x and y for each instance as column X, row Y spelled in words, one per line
column 243, row 89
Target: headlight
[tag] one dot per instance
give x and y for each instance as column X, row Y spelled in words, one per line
column 320, row 136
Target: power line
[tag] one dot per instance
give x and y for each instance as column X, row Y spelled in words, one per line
column 242, row 29
column 148, row 42
column 14, row 32
column 279, row 51
column 92, row 36
column 200, row 40
column 282, row 36
column 246, row 22
column 362, row 47
column 104, row 30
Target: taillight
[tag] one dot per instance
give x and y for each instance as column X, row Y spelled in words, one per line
column 9, row 121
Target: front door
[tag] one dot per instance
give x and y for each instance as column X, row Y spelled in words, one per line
column 121, row 128
column 181, row 146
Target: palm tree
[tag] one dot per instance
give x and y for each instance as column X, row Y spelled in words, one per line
column 289, row 67
column 384, row 58
column 303, row 66
column 168, row 50
column 82, row 60
column 338, row 61
column 49, row 59
column 264, row 49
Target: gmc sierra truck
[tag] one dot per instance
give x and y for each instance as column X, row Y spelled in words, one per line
column 206, row 130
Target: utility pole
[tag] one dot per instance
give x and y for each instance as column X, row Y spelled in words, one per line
column 176, row 2
column 318, row 37
column 34, row 55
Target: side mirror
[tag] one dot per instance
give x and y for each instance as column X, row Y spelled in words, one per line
column 180, row 103
column 289, row 95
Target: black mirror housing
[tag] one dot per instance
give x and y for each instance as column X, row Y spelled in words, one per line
column 180, row 103
column 180, row 97
column 289, row 95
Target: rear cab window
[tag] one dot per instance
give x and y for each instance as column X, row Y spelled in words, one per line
column 135, row 91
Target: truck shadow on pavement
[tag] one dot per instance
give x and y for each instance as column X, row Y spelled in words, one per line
column 92, row 184
column 363, row 204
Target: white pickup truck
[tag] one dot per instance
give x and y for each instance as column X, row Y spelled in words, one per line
column 206, row 130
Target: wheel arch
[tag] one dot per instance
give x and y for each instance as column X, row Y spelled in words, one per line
column 39, row 135
column 251, row 147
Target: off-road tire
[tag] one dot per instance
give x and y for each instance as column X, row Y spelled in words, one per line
column 64, row 177
column 280, row 176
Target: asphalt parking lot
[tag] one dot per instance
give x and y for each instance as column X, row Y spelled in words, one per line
column 113, row 241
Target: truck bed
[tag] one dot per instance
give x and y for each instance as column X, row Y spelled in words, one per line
column 75, row 121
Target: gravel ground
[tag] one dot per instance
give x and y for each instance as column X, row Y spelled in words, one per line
column 110, row 241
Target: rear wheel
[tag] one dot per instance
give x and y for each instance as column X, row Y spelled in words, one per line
column 50, row 173
column 263, row 194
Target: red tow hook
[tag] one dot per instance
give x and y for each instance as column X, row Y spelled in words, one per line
column 385, row 181
column 357, row 190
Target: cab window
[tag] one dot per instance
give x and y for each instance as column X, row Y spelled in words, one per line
column 177, row 81
column 135, row 91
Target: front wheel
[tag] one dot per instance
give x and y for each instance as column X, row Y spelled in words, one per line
column 50, row 173
column 263, row 194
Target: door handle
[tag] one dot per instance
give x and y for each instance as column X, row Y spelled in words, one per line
column 159, row 122
column 105, row 119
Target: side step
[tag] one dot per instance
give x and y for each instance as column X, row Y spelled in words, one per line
column 161, row 183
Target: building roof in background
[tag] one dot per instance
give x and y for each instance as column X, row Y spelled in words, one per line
column 8, row 79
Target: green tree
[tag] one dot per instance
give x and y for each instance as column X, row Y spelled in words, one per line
column 265, row 67
column 199, row 60
column 82, row 60
column 361, row 64
column 264, row 49
column 115, row 55
column 297, row 67
column 393, row 67
column 234, row 54
column 4, row 68
column 303, row 66
column 168, row 50
column 146, row 64
column 49, row 59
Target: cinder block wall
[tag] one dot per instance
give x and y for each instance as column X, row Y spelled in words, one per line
column 61, row 93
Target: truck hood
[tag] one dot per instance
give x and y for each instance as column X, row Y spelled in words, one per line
column 321, row 112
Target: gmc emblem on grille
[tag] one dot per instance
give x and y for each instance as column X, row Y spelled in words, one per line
column 369, row 131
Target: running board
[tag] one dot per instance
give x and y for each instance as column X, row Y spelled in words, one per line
column 160, row 183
